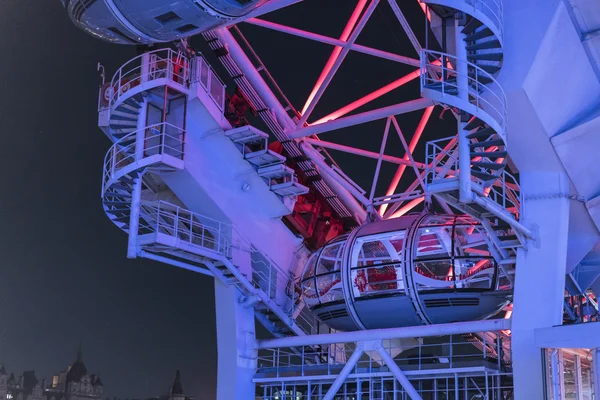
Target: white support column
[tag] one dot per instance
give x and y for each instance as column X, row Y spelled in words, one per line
column 596, row 372
column 145, row 68
column 578, row 378
column 557, row 393
column 462, row 83
column 235, row 339
column 134, row 217
column 540, row 276
column 404, row 382
column 339, row 381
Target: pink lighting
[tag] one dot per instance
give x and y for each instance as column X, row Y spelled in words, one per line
column 360, row 6
column 413, row 144
column 370, row 97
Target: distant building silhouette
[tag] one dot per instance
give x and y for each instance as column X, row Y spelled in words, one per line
column 73, row 383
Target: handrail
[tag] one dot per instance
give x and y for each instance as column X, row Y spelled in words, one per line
column 280, row 360
column 488, row 97
column 493, row 9
column 163, row 138
column 203, row 73
column 442, row 165
column 199, row 230
column 162, row 63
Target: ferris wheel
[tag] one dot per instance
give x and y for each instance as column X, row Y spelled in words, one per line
column 371, row 181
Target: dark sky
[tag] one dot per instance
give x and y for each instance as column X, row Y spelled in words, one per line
column 64, row 275
column 65, row 278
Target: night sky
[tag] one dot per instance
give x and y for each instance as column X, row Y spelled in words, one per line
column 65, row 276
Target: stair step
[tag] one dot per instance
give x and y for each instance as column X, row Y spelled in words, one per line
column 132, row 103
column 123, row 219
column 121, row 187
column 119, row 115
column 485, row 132
column 487, row 143
column 128, row 109
column 471, row 25
column 510, row 244
column 115, row 203
column 480, row 34
column 118, row 124
column 489, row 44
column 264, row 158
column 474, row 123
column 246, row 135
column 490, row 69
column 484, row 176
column 122, row 133
column 448, row 87
column 278, row 171
column 486, row 56
column 481, row 78
column 119, row 195
column 489, row 154
column 488, row 165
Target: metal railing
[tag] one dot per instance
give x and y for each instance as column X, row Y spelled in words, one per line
column 210, row 81
column 202, row 231
column 163, row 138
column 507, row 193
column 493, row 10
column 442, row 165
column 487, row 97
column 438, row 353
column 158, row 64
column 441, row 161
column 189, row 227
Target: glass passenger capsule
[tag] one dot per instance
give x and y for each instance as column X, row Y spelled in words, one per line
column 152, row 21
column 417, row 269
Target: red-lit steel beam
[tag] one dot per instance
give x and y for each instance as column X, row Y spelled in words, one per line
column 337, row 50
column 413, row 144
column 312, row 102
column 360, row 152
column 334, row 42
column 356, row 119
column 370, row 97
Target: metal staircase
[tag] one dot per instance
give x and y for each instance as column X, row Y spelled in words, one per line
column 471, row 175
column 291, row 147
column 140, row 157
column 270, row 166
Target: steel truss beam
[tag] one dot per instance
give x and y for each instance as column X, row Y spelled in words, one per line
column 357, row 119
column 332, row 69
column 455, row 328
column 334, row 42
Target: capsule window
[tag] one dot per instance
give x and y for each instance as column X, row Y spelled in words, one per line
column 167, row 17
column 186, row 28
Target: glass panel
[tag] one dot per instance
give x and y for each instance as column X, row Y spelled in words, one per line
column 330, row 288
column 587, row 386
column 309, row 268
column 382, row 255
column 434, row 274
column 474, row 273
column 378, row 249
column 216, row 90
column 309, row 293
column 569, row 376
column 376, row 280
column 434, row 242
column 330, row 259
column 204, row 73
column 470, row 241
